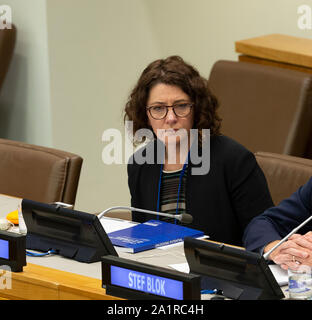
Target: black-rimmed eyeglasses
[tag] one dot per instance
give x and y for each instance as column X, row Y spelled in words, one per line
column 159, row 112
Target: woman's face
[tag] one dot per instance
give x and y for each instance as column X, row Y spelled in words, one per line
column 167, row 95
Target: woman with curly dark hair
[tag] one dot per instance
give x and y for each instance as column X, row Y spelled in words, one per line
column 172, row 101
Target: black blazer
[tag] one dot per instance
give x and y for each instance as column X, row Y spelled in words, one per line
column 221, row 202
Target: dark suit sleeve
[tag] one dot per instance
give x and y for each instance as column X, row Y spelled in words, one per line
column 248, row 187
column 276, row 222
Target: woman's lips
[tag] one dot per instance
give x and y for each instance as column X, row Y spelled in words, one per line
column 171, row 130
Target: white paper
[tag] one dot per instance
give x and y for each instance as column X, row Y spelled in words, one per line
column 280, row 274
column 115, row 224
column 182, row 267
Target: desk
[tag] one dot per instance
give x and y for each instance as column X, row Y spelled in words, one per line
column 38, row 281
column 55, row 277
column 277, row 50
column 43, row 283
column 58, row 278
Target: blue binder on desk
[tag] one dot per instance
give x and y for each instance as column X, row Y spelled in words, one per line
column 151, row 234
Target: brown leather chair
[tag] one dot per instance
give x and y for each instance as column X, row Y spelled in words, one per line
column 284, row 173
column 7, row 44
column 38, row 173
column 265, row 108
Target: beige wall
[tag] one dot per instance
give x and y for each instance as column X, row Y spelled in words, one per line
column 25, row 97
column 204, row 31
column 97, row 50
column 80, row 58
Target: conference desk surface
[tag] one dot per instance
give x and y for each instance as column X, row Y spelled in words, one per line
column 58, row 278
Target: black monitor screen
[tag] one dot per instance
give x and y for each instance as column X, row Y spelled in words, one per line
column 240, row 274
column 73, row 234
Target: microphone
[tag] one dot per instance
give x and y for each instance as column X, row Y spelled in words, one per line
column 183, row 217
column 266, row 255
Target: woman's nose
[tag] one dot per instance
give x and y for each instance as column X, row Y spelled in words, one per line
column 171, row 116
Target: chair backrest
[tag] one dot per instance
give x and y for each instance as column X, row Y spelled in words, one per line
column 38, row 173
column 7, row 44
column 284, row 173
column 264, row 108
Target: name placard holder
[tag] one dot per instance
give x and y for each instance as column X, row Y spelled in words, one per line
column 13, row 250
column 134, row 280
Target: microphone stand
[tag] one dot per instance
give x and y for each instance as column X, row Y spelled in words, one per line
column 181, row 217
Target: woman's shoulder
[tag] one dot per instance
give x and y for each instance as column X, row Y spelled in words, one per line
column 144, row 154
column 133, row 166
column 145, row 158
column 227, row 146
column 232, row 156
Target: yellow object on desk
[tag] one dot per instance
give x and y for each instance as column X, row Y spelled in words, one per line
column 13, row 216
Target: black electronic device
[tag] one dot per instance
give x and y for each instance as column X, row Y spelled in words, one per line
column 73, row 234
column 240, row 274
column 12, row 250
column 135, row 280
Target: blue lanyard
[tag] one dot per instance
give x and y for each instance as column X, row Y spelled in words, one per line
column 179, row 188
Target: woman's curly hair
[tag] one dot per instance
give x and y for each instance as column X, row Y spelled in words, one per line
column 174, row 71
